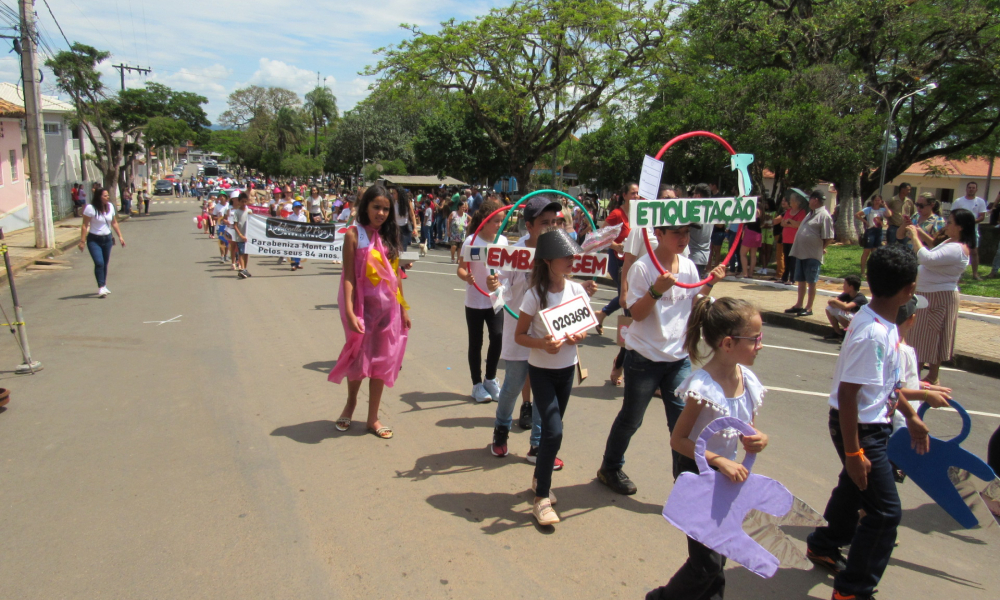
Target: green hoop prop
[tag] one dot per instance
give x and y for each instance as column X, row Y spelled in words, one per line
column 510, row 210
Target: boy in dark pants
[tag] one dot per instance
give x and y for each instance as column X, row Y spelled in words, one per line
column 866, row 393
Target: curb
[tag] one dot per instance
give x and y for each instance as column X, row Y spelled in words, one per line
column 22, row 266
column 973, row 363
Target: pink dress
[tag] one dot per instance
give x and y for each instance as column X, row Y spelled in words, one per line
column 378, row 302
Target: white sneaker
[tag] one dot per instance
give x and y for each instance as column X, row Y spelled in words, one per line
column 493, row 389
column 479, row 394
column 107, row 290
column 102, row 292
column 543, row 512
column 552, row 495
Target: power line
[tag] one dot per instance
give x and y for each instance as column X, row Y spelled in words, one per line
column 135, row 43
column 145, row 32
column 56, row 21
column 93, row 27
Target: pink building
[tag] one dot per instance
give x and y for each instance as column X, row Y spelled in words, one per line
column 15, row 209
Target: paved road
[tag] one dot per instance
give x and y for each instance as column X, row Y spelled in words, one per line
column 197, row 458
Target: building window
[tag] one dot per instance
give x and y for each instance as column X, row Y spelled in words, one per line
column 53, row 129
column 13, row 165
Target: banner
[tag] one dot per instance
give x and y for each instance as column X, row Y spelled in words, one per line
column 684, row 211
column 519, row 258
column 268, row 236
column 259, row 210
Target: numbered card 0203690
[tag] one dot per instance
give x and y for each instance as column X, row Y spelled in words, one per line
column 569, row 318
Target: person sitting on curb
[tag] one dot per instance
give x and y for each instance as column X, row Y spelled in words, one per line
column 841, row 310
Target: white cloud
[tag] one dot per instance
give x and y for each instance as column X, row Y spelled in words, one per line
column 276, row 73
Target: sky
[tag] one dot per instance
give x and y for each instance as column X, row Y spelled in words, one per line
column 213, row 47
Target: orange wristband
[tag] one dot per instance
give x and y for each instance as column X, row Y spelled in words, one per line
column 860, row 452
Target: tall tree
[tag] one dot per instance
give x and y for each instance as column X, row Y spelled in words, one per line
column 321, row 106
column 289, row 130
column 530, row 72
column 248, row 104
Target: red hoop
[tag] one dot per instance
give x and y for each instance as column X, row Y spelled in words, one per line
column 468, row 265
column 645, row 232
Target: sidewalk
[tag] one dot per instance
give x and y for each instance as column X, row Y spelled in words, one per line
column 21, row 245
column 977, row 343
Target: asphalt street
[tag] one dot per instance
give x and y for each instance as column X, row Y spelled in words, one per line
column 179, row 443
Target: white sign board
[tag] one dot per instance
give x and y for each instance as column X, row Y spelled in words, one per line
column 519, row 258
column 268, row 236
column 649, row 179
column 569, row 318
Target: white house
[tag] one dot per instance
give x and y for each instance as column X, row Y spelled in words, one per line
column 62, row 147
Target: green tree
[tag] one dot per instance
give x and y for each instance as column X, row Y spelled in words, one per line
column 451, row 142
column 530, row 72
column 289, row 129
column 321, row 106
column 251, row 103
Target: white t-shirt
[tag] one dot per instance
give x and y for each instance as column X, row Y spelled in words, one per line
column 566, row 357
column 660, row 336
column 301, row 217
column 911, row 380
column 474, row 299
column 976, row 206
column 941, row 267
column 401, row 216
column 870, row 357
column 871, row 214
column 344, row 215
column 428, row 216
column 701, row 388
column 515, row 285
column 313, row 205
column 100, row 224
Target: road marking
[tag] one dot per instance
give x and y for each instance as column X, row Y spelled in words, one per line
column 158, row 323
column 833, row 354
column 430, row 272
column 822, row 395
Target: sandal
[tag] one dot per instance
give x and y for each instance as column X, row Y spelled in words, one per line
column 615, row 381
column 805, row 313
column 342, row 424
column 382, row 432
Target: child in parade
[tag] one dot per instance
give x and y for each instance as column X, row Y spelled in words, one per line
column 724, row 387
column 372, row 309
column 656, row 357
column 479, row 308
column 867, row 389
column 539, row 215
column 298, row 215
column 551, row 362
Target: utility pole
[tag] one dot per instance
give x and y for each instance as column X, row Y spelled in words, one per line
column 41, row 200
column 123, row 68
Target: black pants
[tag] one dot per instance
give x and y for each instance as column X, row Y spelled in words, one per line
column 551, row 389
column 474, row 319
column 145, row 206
column 703, row 575
column 789, row 275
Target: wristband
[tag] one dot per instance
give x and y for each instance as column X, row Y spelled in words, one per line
column 655, row 294
column 710, row 285
column 860, row 452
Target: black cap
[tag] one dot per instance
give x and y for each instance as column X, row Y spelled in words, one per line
column 910, row 308
column 538, row 205
column 556, row 244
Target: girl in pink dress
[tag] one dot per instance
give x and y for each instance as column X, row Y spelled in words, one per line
column 372, row 308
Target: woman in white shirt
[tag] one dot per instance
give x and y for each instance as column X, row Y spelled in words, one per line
column 98, row 222
column 933, row 336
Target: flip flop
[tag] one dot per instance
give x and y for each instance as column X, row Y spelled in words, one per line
column 342, row 424
column 382, row 432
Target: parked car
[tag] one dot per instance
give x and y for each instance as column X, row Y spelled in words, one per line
column 163, row 186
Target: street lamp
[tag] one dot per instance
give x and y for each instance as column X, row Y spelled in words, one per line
column 888, row 125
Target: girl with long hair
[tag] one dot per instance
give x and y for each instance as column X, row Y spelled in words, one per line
column 99, row 220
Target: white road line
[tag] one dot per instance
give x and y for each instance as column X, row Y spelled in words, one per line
column 430, row 272
column 822, row 395
column 833, row 354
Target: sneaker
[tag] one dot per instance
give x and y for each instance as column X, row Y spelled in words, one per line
column 479, row 394
column 499, row 445
column 102, row 293
column 524, row 421
column 247, row 273
column 107, row 290
column 492, row 387
column 543, row 513
column 617, row 480
column 552, row 495
column 532, row 457
column 241, row 275
column 838, row 596
column 833, row 563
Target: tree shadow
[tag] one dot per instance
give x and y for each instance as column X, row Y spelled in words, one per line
column 314, row 432
column 452, row 462
column 467, row 422
column 598, row 341
column 932, row 572
column 599, row 392
column 416, row 399
column 320, row 366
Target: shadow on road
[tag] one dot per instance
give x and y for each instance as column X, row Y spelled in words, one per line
column 315, row 432
column 929, row 518
column 467, row 422
column 499, row 512
column 416, row 399
column 598, row 341
column 789, row 583
column 321, row 366
column 599, row 392
column 467, row 460
column 327, row 307
column 80, row 297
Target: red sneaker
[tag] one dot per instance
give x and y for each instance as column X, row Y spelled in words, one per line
column 403, row 274
column 532, row 457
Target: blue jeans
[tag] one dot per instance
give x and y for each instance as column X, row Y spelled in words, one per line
column 615, row 271
column 100, row 250
column 551, row 389
column 873, row 536
column 890, row 235
column 425, row 234
column 996, row 262
column 642, row 377
column 296, row 261
column 515, row 374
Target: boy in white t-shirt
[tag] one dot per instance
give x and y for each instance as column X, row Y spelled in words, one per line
column 867, row 387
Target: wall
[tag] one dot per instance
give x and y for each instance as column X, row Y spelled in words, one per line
column 15, row 209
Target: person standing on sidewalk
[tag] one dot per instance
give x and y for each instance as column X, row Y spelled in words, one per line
column 977, row 206
column 815, row 233
column 901, row 209
column 98, row 222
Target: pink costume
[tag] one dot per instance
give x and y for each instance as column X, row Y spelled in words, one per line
column 378, row 302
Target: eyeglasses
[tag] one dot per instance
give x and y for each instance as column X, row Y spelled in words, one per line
column 921, row 205
column 758, row 340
